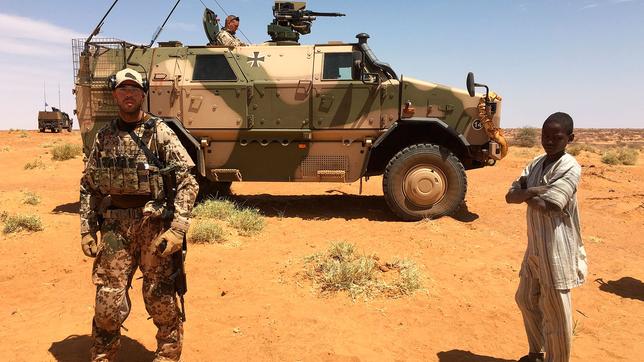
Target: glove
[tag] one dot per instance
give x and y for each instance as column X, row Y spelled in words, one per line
column 89, row 244
column 169, row 242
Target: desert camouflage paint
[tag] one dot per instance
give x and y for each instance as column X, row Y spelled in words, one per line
column 289, row 112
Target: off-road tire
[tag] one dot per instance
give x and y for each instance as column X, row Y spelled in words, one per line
column 42, row 130
column 424, row 181
column 69, row 129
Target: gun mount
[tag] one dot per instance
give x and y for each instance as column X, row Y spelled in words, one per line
column 292, row 20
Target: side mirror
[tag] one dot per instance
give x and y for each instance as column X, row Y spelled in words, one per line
column 470, row 83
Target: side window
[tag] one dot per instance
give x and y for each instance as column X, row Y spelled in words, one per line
column 338, row 66
column 213, row 67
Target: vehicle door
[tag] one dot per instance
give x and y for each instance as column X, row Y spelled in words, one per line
column 166, row 72
column 341, row 100
column 281, row 80
column 214, row 91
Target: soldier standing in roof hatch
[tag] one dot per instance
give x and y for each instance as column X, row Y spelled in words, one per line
column 122, row 195
column 226, row 36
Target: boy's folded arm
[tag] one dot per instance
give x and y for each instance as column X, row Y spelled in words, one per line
column 561, row 190
column 517, row 196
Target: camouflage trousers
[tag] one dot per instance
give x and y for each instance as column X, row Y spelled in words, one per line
column 125, row 245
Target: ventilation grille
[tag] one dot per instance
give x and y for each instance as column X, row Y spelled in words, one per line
column 312, row 164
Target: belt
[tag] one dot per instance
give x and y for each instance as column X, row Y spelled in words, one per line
column 132, row 213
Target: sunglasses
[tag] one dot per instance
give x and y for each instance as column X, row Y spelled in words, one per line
column 128, row 90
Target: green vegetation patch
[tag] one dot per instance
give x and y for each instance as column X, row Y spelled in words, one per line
column 341, row 268
column 31, row 198
column 620, row 156
column 526, row 137
column 37, row 163
column 16, row 223
column 214, row 209
column 248, row 222
column 204, row 231
column 66, row 152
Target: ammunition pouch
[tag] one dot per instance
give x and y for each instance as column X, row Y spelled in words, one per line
column 133, row 213
column 134, row 178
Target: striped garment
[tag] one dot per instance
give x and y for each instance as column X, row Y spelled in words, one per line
column 547, row 317
column 554, row 238
column 554, row 261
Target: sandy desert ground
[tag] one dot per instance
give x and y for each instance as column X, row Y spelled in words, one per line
column 248, row 299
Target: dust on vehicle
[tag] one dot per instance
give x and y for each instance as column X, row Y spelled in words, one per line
column 54, row 120
column 287, row 112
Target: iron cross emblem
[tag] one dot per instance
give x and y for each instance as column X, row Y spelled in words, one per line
column 255, row 60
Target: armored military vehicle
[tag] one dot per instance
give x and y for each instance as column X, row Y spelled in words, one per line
column 54, row 120
column 286, row 112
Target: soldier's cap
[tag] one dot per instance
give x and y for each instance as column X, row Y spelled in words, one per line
column 230, row 18
column 130, row 76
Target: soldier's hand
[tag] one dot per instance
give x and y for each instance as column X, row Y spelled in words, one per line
column 169, row 242
column 89, row 244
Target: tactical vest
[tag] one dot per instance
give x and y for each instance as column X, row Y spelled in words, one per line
column 122, row 167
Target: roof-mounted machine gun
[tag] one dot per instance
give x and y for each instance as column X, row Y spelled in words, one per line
column 292, row 20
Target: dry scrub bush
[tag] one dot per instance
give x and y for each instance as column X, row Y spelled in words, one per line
column 525, row 137
column 65, row 152
column 37, row 163
column 215, row 209
column 50, row 144
column 205, row 232
column 23, row 134
column 15, row 223
column 31, row 198
column 577, row 148
column 620, row 156
column 248, row 222
column 340, row 268
column 5, row 149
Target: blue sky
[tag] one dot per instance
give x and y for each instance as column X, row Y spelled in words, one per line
column 584, row 57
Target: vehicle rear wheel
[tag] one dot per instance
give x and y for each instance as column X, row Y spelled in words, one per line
column 424, row 181
column 42, row 130
column 69, row 129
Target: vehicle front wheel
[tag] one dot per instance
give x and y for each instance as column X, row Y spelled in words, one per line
column 424, row 181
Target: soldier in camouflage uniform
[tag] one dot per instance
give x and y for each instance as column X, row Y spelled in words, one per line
column 226, row 36
column 123, row 197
